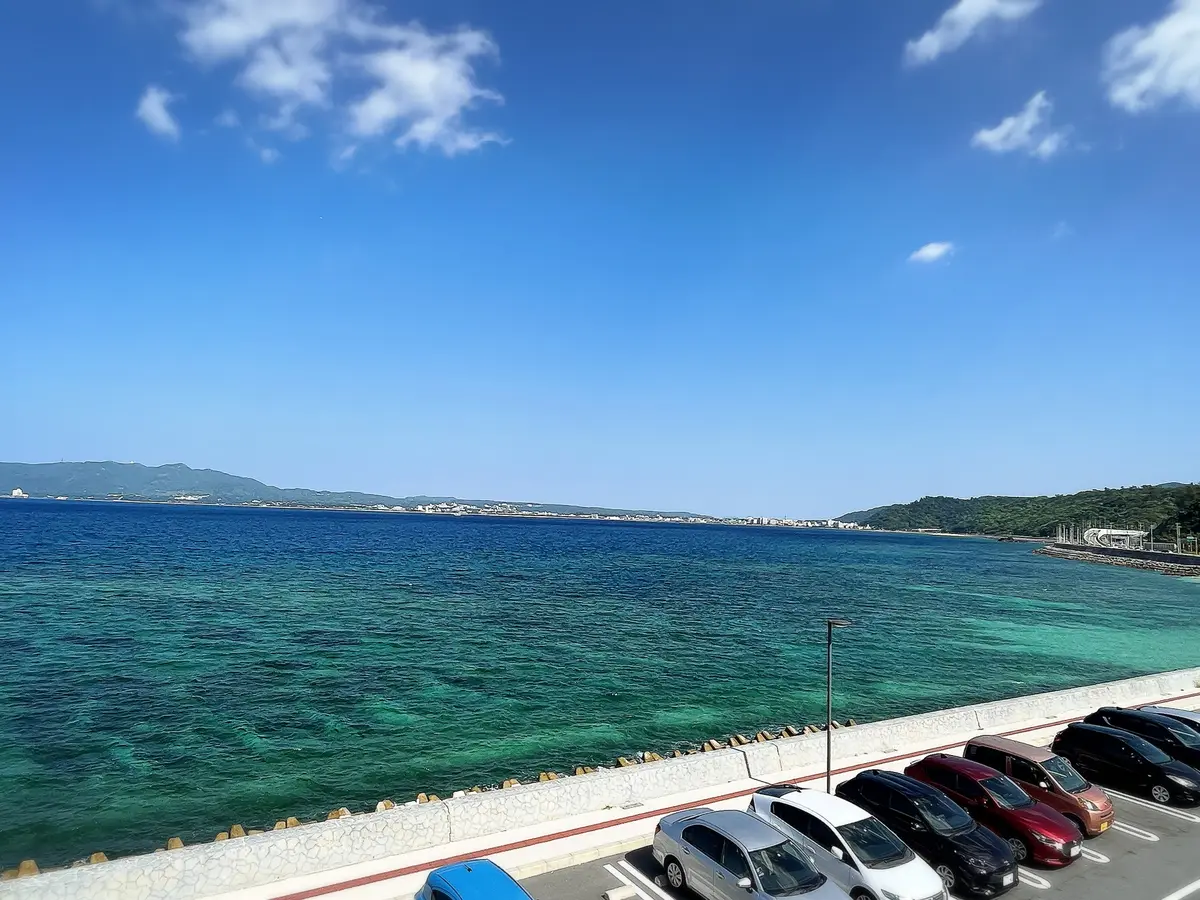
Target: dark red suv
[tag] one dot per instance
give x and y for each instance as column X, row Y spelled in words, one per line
column 1035, row 831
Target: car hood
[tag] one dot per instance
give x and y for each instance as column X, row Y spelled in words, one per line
column 1096, row 795
column 914, row 878
column 1182, row 769
column 984, row 844
column 1046, row 820
column 827, row 891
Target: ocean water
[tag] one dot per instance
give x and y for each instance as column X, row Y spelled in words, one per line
column 171, row 670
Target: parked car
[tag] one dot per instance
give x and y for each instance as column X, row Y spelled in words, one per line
column 1188, row 717
column 1173, row 738
column 1035, row 832
column 1047, row 778
column 859, row 853
column 732, row 855
column 476, row 879
column 1121, row 759
column 967, row 857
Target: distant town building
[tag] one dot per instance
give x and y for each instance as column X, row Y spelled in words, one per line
column 19, row 494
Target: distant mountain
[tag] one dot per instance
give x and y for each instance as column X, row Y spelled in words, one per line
column 133, row 481
column 1157, row 506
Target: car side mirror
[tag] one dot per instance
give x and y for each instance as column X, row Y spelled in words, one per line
column 916, row 826
column 745, row 884
column 838, row 852
column 1045, row 786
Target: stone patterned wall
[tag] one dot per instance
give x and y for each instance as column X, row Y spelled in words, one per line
column 201, row 871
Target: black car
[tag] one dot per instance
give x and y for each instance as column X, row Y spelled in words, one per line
column 1117, row 758
column 1187, row 717
column 969, row 858
column 1172, row 738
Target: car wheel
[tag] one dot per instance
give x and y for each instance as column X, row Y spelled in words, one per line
column 947, row 876
column 675, row 877
column 860, row 894
column 1161, row 793
column 1019, row 849
column 1078, row 823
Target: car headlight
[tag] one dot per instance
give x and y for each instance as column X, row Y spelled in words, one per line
column 1090, row 806
column 888, row 895
column 1048, row 841
column 1184, row 782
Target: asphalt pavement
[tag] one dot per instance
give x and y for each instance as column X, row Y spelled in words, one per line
column 1151, row 853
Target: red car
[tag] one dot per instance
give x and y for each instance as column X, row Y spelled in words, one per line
column 1035, row 831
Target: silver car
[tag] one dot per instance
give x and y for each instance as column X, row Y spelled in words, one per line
column 732, row 855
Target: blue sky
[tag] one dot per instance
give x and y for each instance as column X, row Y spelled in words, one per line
column 781, row 258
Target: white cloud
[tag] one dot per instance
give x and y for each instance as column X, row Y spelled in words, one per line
column 1061, row 230
column 959, row 24
column 268, row 155
column 227, row 119
column 425, row 83
column 153, row 110
column 1028, row 131
column 931, row 252
column 1145, row 66
column 305, row 57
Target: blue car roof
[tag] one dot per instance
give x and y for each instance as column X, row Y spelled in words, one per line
column 478, row 879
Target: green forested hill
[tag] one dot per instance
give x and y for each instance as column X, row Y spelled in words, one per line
column 1159, row 506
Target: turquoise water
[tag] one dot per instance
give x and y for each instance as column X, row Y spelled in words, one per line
column 172, row 670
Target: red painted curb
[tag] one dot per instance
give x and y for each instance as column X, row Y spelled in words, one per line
column 652, row 814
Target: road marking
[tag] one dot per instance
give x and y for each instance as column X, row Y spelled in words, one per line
column 1185, row 891
column 625, row 881
column 1089, row 853
column 1166, row 810
column 1034, row 881
column 634, row 871
column 1134, row 831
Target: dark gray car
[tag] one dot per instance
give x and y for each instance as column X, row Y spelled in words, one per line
column 732, row 855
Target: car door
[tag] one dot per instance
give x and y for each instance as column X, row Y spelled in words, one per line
column 731, row 866
column 1087, row 753
column 817, row 840
column 945, row 781
column 701, row 847
column 1033, row 779
column 904, row 819
column 977, row 803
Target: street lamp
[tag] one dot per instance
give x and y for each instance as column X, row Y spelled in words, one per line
column 830, row 624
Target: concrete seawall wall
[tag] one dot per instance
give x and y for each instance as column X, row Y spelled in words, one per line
column 195, row 872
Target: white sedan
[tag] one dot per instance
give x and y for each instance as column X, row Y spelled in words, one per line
column 854, row 849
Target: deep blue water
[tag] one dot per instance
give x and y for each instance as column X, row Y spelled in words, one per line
column 170, row 670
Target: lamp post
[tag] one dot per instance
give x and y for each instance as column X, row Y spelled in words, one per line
column 830, row 624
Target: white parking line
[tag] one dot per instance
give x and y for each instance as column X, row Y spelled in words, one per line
column 1034, row 881
column 1185, row 891
column 625, row 881
column 654, row 888
column 1134, row 831
column 1165, row 810
column 1089, row 853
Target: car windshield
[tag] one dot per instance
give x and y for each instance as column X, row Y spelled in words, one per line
column 1065, row 776
column 943, row 816
column 783, row 872
column 1006, row 792
column 1185, row 735
column 1146, row 750
column 874, row 844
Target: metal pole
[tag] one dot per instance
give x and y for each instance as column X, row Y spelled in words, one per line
column 829, row 707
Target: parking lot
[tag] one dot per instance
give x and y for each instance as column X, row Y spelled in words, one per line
column 1151, row 853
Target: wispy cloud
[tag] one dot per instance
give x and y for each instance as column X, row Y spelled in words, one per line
column 1028, row 131
column 1061, row 230
column 300, row 58
column 960, row 23
column 227, row 119
column 932, row 252
column 1146, row 66
column 153, row 110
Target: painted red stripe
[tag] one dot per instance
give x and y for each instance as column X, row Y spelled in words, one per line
column 652, row 814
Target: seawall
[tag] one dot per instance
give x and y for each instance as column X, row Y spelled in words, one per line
column 1180, row 564
column 191, row 873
